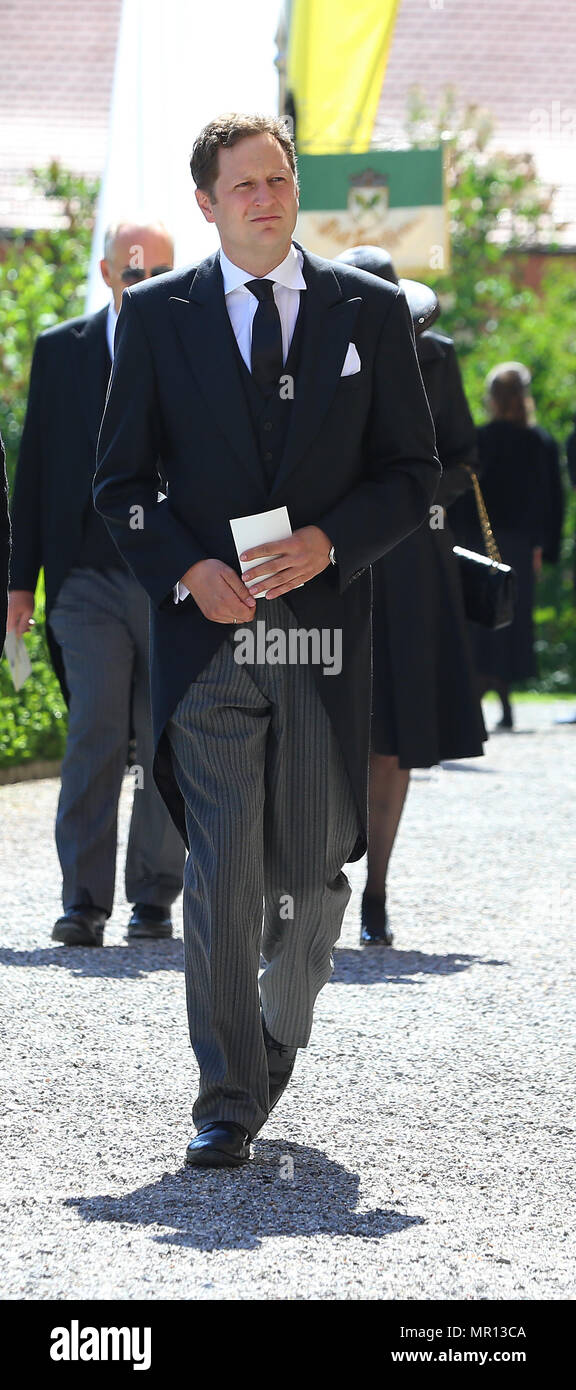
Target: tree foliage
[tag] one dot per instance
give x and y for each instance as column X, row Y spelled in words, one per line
column 497, row 207
column 42, row 281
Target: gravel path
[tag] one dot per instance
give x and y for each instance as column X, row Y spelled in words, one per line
column 425, row 1147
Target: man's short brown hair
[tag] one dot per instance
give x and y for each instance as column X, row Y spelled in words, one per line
column 226, row 131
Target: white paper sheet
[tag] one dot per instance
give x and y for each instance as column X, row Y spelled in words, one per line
column 18, row 660
column 259, row 529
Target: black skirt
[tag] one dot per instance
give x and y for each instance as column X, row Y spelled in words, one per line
column 425, row 706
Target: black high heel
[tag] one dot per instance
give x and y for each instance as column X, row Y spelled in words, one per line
column 375, row 927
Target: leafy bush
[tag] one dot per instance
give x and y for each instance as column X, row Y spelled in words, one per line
column 42, row 281
column 32, row 720
column 496, row 207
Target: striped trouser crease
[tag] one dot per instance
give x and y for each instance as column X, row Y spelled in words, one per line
column 271, row 820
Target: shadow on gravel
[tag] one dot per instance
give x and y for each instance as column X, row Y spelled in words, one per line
column 109, row 962
column 470, row 767
column 372, row 964
column 363, row 966
column 287, row 1190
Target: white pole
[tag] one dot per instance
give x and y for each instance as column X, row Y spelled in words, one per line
column 177, row 65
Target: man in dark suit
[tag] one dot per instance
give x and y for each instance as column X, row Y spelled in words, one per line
column 263, row 378
column 97, row 618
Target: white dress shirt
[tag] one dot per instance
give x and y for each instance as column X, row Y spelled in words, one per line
column 242, row 305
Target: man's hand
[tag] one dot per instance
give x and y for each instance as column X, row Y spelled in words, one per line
column 302, row 556
column 219, row 592
column 20, row 611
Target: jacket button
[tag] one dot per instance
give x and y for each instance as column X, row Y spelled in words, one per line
column 267, row 425
column 268, row 456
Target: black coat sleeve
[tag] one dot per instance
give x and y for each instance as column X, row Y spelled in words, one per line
column 27, row 558
column 158, row 548
column 571, row 456
column 455, row 433
column 538, row 512
column 555, row 522
column 402, row 466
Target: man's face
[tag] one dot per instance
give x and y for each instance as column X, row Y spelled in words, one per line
column 137, row 253
column 254, row 203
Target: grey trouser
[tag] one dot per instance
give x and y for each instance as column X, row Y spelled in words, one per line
column 100, row 620
column 271, row 816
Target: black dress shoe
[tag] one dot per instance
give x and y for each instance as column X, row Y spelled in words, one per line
column 149, row 923
column 375, row 929
column 281, row 1061
column 80, row 926
column 222, row 1145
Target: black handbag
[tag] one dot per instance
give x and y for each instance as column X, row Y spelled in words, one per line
column 488, row 586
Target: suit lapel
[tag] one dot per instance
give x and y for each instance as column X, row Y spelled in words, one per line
column 328, row 329
column 207, row 336
column 206, row 333
column 91, row 362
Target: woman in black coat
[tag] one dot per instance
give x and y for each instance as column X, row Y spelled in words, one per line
column 516, row 485
column 425, row 705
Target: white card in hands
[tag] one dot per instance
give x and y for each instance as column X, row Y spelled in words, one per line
column 18, row 659
column 259, row 529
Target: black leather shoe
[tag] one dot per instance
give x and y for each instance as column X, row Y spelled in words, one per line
column 222, row 1145
column 281, row 1061
column 149, row 923
column 80, row 926
column 375, row 929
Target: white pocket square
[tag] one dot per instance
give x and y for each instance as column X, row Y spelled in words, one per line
column 352, row 362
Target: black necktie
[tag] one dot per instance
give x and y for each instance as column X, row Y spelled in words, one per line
column 267, row 360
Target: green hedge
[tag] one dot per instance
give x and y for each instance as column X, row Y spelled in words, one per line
column 32, row 720
column 42, row 281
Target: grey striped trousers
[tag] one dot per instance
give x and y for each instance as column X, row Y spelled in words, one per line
column 271, row 819
column 100, row 620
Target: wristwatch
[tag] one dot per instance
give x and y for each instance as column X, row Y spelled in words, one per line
column 332, row 556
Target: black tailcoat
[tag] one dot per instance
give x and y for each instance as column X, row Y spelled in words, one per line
column 359, row 462
column 53, row 484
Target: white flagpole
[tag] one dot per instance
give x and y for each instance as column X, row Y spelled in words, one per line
column 177, row 65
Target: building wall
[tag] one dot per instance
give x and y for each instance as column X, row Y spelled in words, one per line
column 57, row 70
column 517, row 58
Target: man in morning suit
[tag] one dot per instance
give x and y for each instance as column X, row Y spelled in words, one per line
column 97, row 618
column 265, row 377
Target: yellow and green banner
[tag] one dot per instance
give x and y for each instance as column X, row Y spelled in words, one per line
column 388, row 198
column 337, row 56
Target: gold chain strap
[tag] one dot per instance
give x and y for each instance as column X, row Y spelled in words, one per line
column 491, row 548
